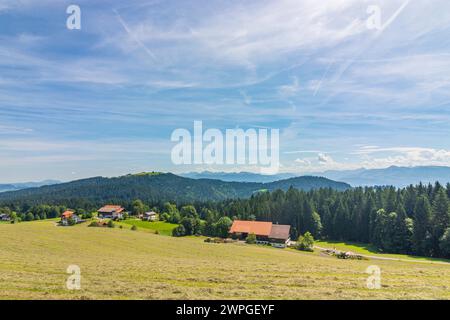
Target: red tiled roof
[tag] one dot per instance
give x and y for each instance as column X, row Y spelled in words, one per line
column 109, row 208
column 67, row 214
column 259, row 228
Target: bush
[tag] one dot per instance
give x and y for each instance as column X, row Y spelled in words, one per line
column 94, row 224
column 305, row 242
column 251, row 238
column 133, row 227
column 179, row 231
column 164, row 216
column 87, row 215
column 156, row 232
column 111, row 224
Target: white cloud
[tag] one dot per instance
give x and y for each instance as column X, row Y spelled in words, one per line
column 325, row 159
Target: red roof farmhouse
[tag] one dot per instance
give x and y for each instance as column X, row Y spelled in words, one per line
column 111, row 211
column 69, row 214
column 277, row 235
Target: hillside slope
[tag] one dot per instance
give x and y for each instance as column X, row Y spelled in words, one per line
column 156, row 187
column 139, row 265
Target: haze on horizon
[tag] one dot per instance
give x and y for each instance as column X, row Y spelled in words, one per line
column 105, row 99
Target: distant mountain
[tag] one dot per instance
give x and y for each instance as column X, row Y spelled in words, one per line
column 25, row 185
column 237, row 176
column 396, row 176
column 155, row 188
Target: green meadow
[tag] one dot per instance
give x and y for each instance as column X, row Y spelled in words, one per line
column 118, row 263
column 161, row 227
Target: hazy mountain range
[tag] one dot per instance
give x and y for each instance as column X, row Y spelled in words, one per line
column 24, row 185
column 396, row 176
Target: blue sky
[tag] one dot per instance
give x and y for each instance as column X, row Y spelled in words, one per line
column 105, row 99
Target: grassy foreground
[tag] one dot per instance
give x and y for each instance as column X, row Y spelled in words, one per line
column 124, row 264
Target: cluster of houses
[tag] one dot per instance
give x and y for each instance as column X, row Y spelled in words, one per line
column 277, row 235
column 109, row 211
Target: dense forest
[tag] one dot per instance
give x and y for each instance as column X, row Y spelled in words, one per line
column 413, row 220
column 155, row 188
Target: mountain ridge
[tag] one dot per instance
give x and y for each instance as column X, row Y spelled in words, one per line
column 159, row 187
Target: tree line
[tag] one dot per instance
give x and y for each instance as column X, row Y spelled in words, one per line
column 412, row 220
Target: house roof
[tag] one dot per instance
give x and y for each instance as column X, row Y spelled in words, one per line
column 259, row 228
column 109, row 208
column 280, row 231
column 150, row 213
column 67, row 214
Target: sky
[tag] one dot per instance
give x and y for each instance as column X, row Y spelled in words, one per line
column 104, row 100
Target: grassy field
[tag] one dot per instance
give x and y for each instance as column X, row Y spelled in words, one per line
column 124, row 264
column 164, row 228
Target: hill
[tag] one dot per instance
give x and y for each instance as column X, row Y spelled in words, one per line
column 124, row 264
column 156, row 188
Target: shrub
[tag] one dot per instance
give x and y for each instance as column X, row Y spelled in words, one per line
column 111, row 224
column 133, row 227
column 305, row 242
column 94, row 224
column 179, row 231
column 164, row 217
column 251, row 238
column 156, row 232
column 87, row 215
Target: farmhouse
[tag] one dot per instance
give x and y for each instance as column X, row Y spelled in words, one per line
column 279, row 235
column 150, row 216
column 266, row 232
column 111, row 212
column 67, row 215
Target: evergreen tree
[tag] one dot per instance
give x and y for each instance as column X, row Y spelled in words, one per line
column 440, row 220
column 421, row 234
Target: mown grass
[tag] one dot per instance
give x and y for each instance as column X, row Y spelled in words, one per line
column 123, row 264
column 163, row 228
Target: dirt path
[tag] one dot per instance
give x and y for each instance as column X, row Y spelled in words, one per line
column 389, row 259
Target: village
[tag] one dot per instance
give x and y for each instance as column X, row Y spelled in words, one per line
column 264, row 233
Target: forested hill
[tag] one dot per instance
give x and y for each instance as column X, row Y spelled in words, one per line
column 155, row 188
